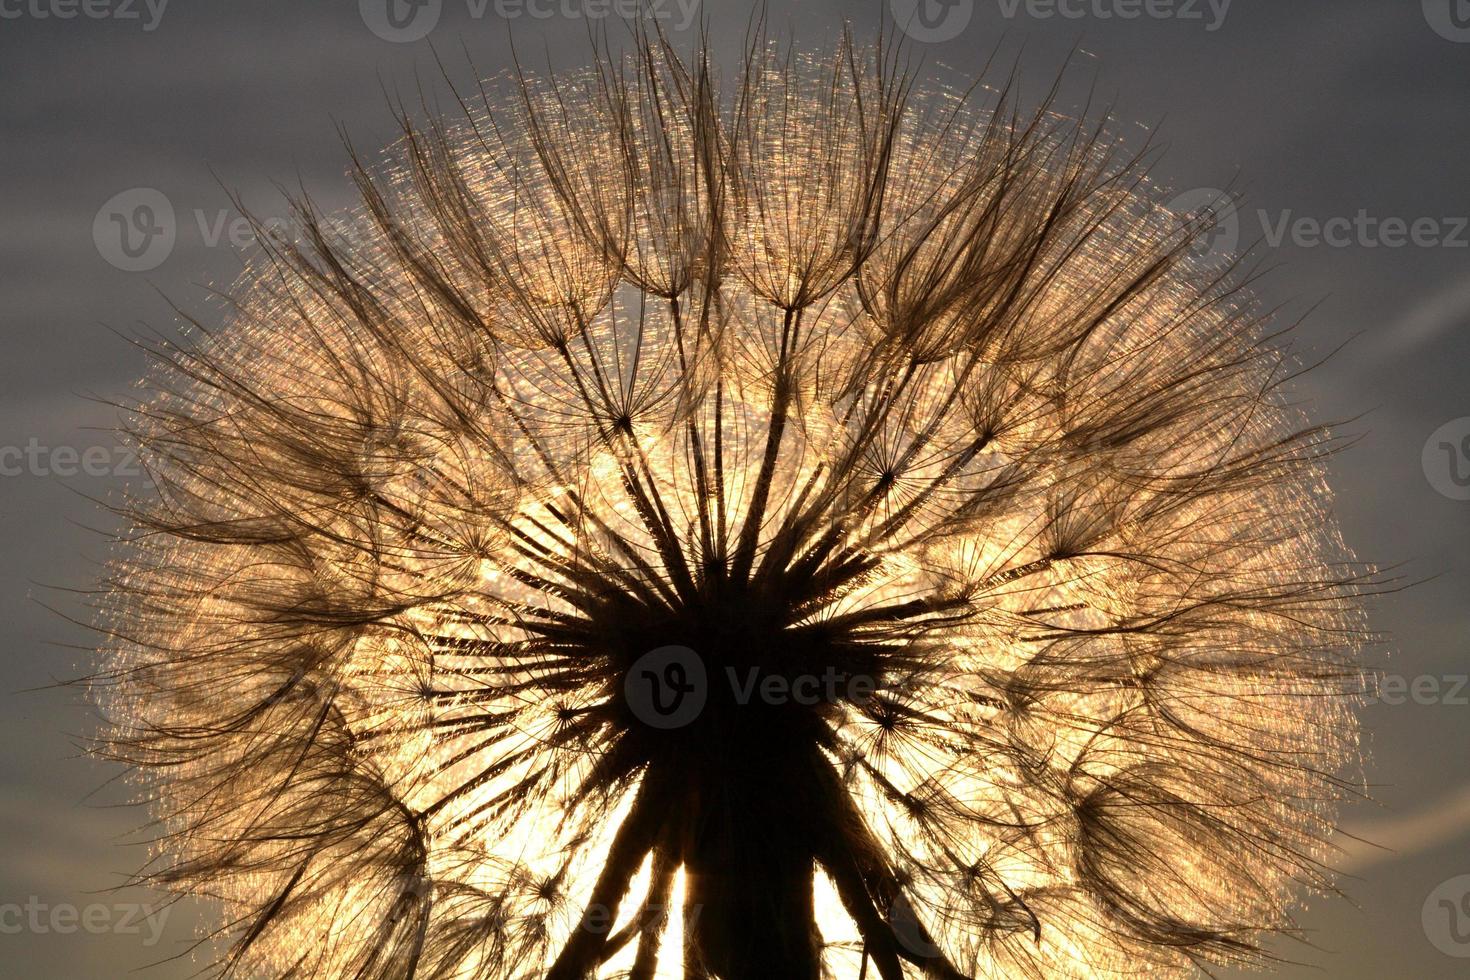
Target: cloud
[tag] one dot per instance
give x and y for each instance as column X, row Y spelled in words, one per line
column 1368, row 844
column 1443, row 310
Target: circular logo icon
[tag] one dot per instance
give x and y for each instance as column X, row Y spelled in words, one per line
column 667, row 688
column 135, row 230
column 1213, row 213
column 1446, row 459
column 1449, row 18
column 932, row 21
column 401, row 21
column 1446, row 917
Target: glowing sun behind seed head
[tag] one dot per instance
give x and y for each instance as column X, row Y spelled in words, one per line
column 812, row 380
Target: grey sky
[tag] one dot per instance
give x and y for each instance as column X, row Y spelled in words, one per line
column 1316, row 111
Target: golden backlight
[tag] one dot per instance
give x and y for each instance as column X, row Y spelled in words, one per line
column 814, row 376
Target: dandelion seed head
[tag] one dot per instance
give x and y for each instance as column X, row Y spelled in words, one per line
column 814, row 372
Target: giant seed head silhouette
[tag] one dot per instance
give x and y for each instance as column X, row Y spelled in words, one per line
column 796, row 524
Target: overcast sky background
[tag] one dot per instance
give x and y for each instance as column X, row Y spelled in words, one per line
column 1314, row 109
